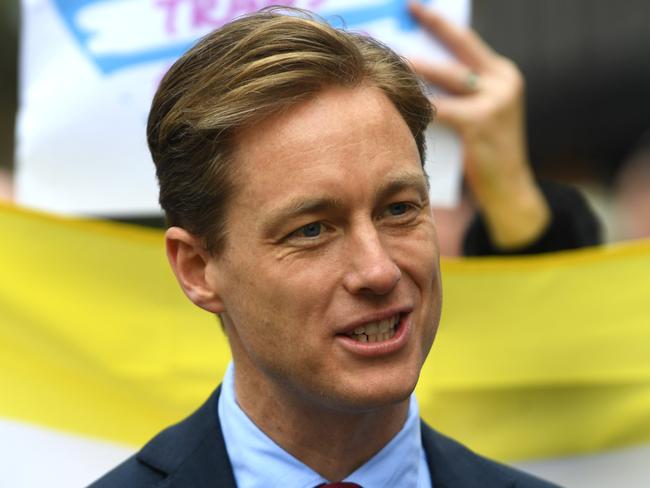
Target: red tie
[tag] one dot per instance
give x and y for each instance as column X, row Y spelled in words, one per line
column 339, row 484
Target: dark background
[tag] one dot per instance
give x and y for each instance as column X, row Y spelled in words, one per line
column 8, row 78
column 587, row 67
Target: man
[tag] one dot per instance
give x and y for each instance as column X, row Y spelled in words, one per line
column 290, row 161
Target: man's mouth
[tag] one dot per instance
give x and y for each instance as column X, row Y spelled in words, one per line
column 378, row 331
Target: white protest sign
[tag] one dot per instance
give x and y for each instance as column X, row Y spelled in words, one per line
column 89, row 69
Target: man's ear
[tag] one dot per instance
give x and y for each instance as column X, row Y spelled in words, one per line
column 190, row 262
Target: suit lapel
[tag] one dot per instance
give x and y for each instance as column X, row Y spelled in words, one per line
column 452, row 465
column 193, row 452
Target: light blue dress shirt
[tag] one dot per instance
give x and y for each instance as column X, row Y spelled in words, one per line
column 258, row 462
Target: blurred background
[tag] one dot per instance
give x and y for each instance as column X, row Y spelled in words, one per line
column 9, row 25
column 587, row 75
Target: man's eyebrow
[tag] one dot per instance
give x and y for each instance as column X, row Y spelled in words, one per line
column 404, row 181
column 301, row 206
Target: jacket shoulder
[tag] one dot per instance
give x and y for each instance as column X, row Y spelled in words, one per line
column 131, row 473
column 190, row 453
column 453, row 465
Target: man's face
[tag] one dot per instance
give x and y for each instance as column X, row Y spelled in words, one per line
column 329, row 277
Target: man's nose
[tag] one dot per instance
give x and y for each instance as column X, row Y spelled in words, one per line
column 370, row 268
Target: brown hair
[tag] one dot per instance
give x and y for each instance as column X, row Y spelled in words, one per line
column 249, row 69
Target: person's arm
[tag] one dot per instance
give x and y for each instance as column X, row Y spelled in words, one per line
column 573, row 225
column 485, row 104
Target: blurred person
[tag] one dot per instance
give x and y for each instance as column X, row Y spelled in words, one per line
column 632, row 193
column 6, row 185
column 290, row 161
column 484, row 103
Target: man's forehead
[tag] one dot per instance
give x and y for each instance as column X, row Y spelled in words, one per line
column 365, row 104
column 344, row 148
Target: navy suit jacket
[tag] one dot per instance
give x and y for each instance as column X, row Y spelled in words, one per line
column 192, row 454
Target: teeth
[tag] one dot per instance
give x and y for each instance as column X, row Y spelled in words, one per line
column 384, row 325
column 376, row 331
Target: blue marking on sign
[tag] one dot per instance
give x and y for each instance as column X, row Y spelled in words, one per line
column 107, row 64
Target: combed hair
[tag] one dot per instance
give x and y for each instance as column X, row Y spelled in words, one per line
column 249, row 69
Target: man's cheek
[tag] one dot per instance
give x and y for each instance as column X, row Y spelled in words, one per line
column 421, row 258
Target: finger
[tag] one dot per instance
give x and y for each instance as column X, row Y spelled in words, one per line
column 465, row 44
column 454, row 78
column 454, row 112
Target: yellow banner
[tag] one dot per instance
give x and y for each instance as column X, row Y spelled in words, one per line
column 535, row 357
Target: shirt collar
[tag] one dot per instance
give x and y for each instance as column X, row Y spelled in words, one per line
column 258, row 461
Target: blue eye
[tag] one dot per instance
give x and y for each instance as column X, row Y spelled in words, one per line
column 310, row 230
column 398, row 208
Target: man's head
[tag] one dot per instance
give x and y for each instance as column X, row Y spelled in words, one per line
column 247, row 70
column 327, row 279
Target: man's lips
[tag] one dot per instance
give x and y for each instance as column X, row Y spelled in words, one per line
column 377, row 334
column 373, row 317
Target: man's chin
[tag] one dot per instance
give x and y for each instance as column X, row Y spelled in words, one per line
column 369, row 397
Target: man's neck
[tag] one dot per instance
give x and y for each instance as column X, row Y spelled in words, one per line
column 334, row 443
